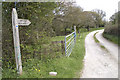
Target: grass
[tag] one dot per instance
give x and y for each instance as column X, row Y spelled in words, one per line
column 66, row 67
column 97, row 41
column 102, row 46
column 0, row 76
column 112, row 38
column 58, row 38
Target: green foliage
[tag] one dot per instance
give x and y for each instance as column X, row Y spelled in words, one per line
column 112, row 38
column 91, row 29
column 59, row 38
column 36, row 39
column 99, row 17
column 102, row 47
column 111, row 29
column 96, row 40
column 75, row 16
column 32, row 36
column 65, row 67
column 114, row 18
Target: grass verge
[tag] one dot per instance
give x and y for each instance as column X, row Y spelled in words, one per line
column 112, row 38
column 102, row 46
column 97, row 41
column 66, row 67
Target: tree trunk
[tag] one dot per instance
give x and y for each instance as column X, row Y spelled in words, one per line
column 65, row 30
column 79, row 32
column 88, row 28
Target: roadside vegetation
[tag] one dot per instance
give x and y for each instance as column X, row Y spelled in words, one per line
column 112, row 30
column 112, row 38
column 66, row 67
column 97, row 41
column 40, row 51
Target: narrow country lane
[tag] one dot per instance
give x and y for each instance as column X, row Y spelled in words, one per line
column 99, row 63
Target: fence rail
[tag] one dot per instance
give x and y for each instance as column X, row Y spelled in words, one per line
column 70, row 42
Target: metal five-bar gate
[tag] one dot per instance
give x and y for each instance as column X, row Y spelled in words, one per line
column 70, row 42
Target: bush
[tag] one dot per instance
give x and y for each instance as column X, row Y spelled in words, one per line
column 32, row 36
column 111, row 29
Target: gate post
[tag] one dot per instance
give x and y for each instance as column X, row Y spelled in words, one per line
column 65, row 46
column 75, row 34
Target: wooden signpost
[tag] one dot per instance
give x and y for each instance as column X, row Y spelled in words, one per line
column 23, row 22
column 15, row 23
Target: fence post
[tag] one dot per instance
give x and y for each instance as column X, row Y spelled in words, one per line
column 75, row 34
column 62, row 46
column 65, row 46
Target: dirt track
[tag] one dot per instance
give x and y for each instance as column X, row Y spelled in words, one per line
column 99, row 63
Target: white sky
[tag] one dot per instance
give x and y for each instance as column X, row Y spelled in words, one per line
column 109, row 6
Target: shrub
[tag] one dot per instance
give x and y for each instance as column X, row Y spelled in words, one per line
column 111, row 29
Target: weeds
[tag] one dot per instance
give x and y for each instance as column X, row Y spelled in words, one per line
column 66, row 67
column 112, row 38
column 97, row 41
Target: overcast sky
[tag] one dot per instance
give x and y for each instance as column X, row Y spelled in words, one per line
column 109, row 6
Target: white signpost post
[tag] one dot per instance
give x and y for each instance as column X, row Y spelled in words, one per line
column 15, row 23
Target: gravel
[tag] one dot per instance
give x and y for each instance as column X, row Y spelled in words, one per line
column 99, row 63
